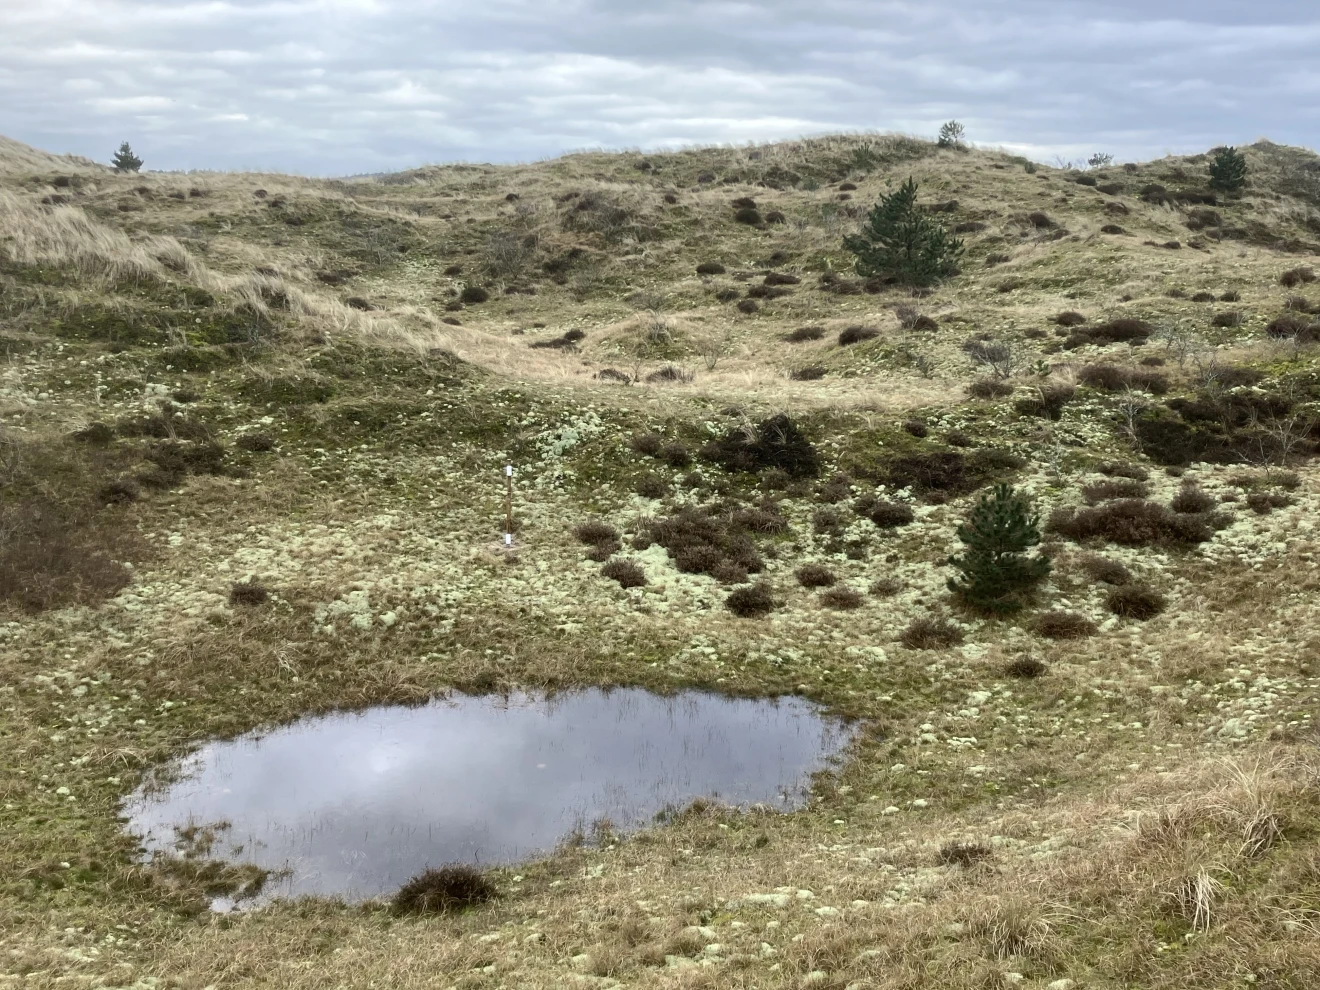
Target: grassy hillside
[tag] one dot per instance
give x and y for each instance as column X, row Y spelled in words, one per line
column 312, row 387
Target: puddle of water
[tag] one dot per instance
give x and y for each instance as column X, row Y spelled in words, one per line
column 355, row 804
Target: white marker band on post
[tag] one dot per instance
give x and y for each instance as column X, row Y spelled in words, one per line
column 508, row 470
column 508, row 539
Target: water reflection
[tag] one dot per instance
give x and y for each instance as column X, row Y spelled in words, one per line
column 356, row 803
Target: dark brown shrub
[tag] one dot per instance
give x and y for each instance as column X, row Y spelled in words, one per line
column 988, row 388
column 1041, row 221
column 454, row 270
column 916, row 428
column 811, row 373
column 748, row 306
column 781, row 278
column 1263, row 503
column 1191, row 500
column 117, row 493
column 829, row 521
column 855, row 335
column 759, row 520
column 775, row 216
column 601, row 552
column 652, row 486
column 670, row 198
column 1297, row 276
column 964, row 854
column 748, row 215
column 1298, row 304
column 968, row 227
column 1130, row 522
column 1203, row 297
column 929, row 633
column 473, row 294
column 997, row 258
column 1229, row 319
column 1104, row 491
column 843, row 599
column 1114, row 378
column 710, row 268
column 248, row 593
column 1046, row 400
column 744, row 203
column 1112, row 228
column 776, row 443
column 1064, row 625
column 836, row 489
column 595, row 532
column 1135, row 601
column 752, row 602
column 444, row 889
column 1070, row 318
column 1231, row 296
column 815, row 576
column 564, row 342
column 670, row 373
column 802, row 334
column 647, row 443
column 889, row 515
column 1109, row 188
column 1120, row 331
column 1104, row 570
column 1289, row 326
column 358, row 303
column 614, row 375
column 1025, row 667
column 97, row 433
column 1123, row 469
column 675, row 455
column 767, row 292
column 728, row 572
column 847, row 187
column 957, row 438
column 628, row 573
column 885, row 587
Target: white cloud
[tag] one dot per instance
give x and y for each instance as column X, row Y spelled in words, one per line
column 339, row 86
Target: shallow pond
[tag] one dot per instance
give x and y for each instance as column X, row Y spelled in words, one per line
column 355, row 804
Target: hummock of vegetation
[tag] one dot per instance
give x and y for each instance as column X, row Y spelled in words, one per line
column 253, row 431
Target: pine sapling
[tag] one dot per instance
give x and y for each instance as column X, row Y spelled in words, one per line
column 1228, row 170
column 125, row 160
column 899, row 241
column 995, row 570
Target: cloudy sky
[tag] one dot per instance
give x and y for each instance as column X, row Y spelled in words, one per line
column 335, row 87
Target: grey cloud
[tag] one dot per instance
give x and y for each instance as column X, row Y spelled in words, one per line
column 342, row 86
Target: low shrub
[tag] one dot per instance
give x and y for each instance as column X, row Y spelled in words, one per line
column 776, row 442
column 929, row 633
column 780, row 278
column 964, row 854
column 856, row 335
column 647, row 443
column 1130, row 522
column 628, row 573
column 1135, row 601
column 815, row 576
column 885, row 587
column 1123, row 469
column 1120, row 331
column 916, row 428
column 710, row 268
column 595, row 532
column 1263, row 503
column 829, row 521
column 748, row 306
column 885, row 514
column 1104, row 570
column 843, row 599
column 811, row 373
column 1070, row 318
column 248, row 593
column 1025, row 667
column 1104, row 491
column 988, row 388
column 1064, row 625
column 444, row 889
column 567, row 340
column 1297, row 276
column 752, row 602
column 748, row 215
column 1046, row 400
column 1114, row 378
column 473, row 294
column 803, row 334
column 117, row 493
column 1229, row 319
column 652, row 486
column 1112, row 228
column 255, row 442
column 1191, row 500
column 675, row 455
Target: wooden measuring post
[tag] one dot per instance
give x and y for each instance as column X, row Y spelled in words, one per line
column 508, row 505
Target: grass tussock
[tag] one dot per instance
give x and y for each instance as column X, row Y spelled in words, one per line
column 444, row 889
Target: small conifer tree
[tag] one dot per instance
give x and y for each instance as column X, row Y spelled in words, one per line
column 1228, row 170
column 901, row 242
column 125, row 160
column 995, row 568
column 951, row 134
